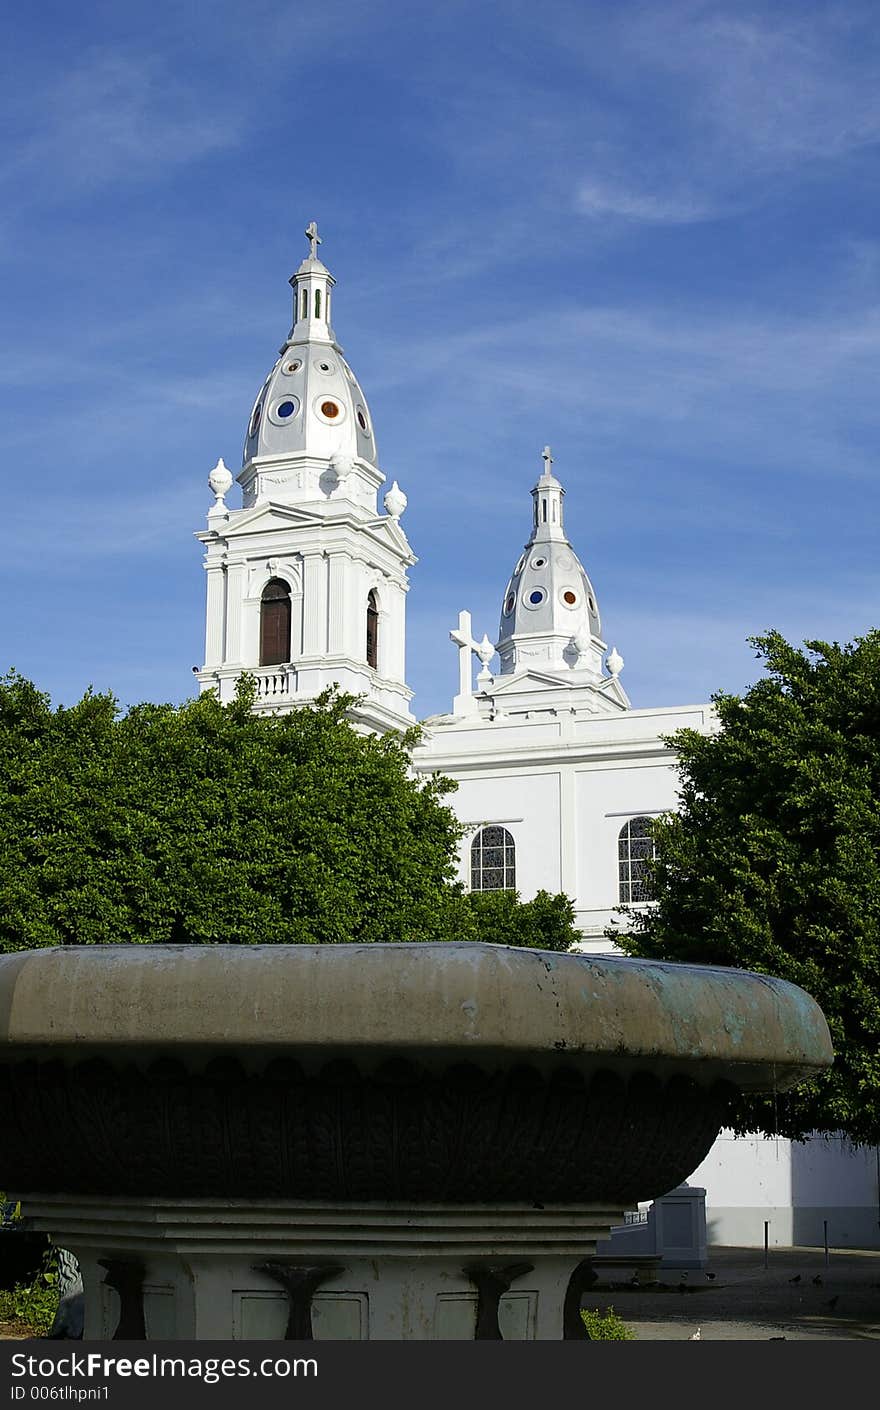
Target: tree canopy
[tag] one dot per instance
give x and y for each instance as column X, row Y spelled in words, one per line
column 203, row 823
column 772, row 862
column 544, row 923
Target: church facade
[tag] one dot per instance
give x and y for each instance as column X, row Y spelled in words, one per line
column 558, row 776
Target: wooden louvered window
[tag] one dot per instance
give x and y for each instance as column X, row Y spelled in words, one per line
column 275, row 623
column 372, row 631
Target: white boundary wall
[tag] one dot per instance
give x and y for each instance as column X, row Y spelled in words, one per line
column 794, row 1185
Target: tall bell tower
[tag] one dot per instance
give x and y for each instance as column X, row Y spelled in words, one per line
column 307, row 581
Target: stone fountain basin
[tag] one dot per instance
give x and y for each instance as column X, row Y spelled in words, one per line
column 448, row 1072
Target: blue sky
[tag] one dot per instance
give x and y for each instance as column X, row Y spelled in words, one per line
column 646, row 233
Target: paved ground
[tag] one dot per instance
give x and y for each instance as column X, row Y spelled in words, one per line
column 736, row 1298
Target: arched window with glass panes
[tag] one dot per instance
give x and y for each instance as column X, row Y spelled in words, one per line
column 635, row 852
column 493, row 860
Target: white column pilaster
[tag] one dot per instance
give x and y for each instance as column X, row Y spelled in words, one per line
column 215, row 613
column 336, row 604
column 568, row 832
column 314, row 604
column 236, row 580
column 396, row 659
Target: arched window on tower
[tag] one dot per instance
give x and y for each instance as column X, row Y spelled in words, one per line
column 635, row 852
column 493, row 860
column 372, row 630
column 275, row 623
column 317, row 303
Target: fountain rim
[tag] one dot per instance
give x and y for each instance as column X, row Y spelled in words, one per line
column 429, row 1002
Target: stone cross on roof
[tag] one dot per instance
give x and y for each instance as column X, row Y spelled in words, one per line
column 547, row 459
column 464, row 701
column 313, row 238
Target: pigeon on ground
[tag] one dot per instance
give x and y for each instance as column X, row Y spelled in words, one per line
column 710, row 1276
column 696, row 1336
column 795, row 1279
column 818, row 1281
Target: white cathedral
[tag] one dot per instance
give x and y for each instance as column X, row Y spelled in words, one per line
column 558, row 776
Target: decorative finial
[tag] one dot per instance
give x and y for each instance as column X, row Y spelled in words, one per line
column 342, row 466
column 313, row 238
column 547, row 459
column 581, row 641
column 485, row 651
column 395, row 501
column 220, row 481
column 614, row 661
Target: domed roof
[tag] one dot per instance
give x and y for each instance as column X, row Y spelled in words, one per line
column 549, row 590
column 549, row 614
column 311, row 403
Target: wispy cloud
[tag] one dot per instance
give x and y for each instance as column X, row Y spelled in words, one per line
column 788, row 89
column 772, row 87
column 598, row 199
column 667, row 364
column 113, row 116
column 740, row 99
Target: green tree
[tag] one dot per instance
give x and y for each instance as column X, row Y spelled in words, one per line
column 201, row 823
column 772, row 862
column 544, row 923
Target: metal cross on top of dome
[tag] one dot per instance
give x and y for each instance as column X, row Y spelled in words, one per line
column 313, row 238
column 547, row 459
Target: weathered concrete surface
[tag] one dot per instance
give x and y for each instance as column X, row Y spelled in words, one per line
column 436, row 1002
column 209, row 1268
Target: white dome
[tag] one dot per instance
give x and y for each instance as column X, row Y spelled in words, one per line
column 311, row 404
column 549, row 591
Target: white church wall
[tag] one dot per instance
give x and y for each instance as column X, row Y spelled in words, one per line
column 607, row 768
column 526, row 802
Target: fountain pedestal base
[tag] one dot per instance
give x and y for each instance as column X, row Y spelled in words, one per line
column 274, row 1270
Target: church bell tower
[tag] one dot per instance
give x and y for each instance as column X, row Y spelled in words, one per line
column 307, row 582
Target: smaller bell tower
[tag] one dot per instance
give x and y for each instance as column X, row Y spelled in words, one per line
column 307, row 581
